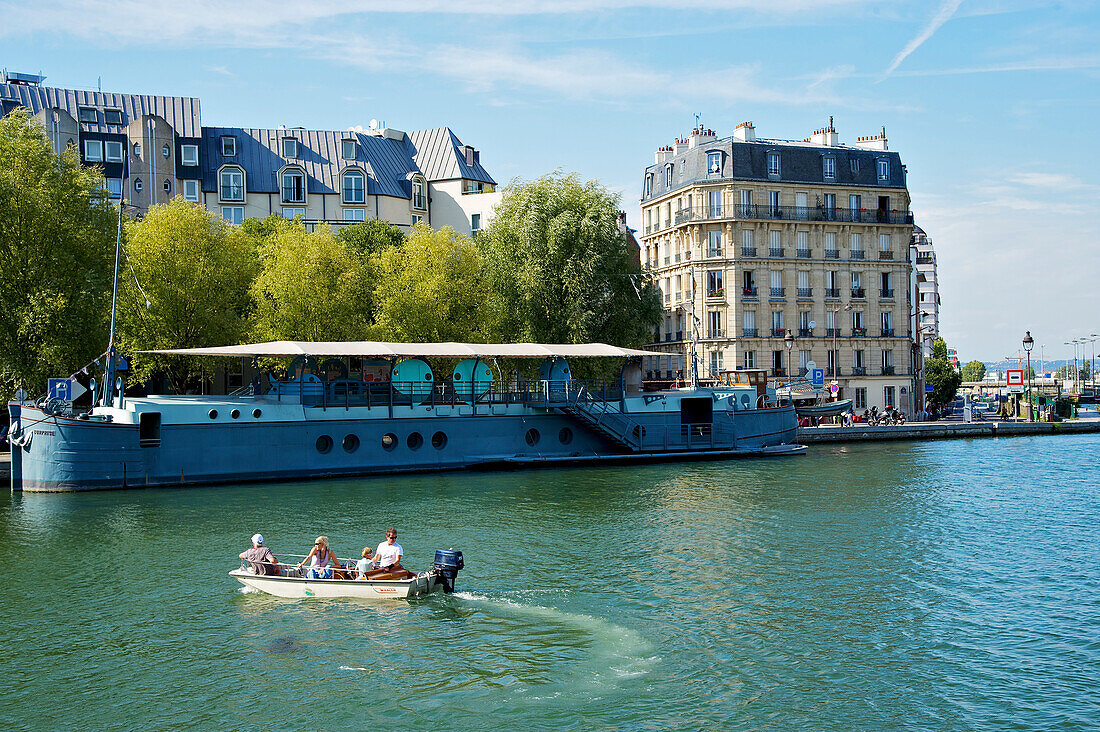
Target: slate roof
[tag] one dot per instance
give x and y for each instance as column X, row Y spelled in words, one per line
column 182, row 113
column 800, row 162
column 437, row 154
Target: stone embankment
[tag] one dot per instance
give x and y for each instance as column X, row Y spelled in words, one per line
column 942, row 430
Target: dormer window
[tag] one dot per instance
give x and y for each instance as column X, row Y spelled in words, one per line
column 828, row 167
column 348, row 149
column 773, row 164
column 884, row 170
column 112, row 151
column 229, row 146
column 668, row 176
column 648, row 185
column 93, row 151
column 189, row 155
column 418, row 195
column 714, row 163
column 294, row 186
column 113, row 116
column 88, row 116
column 231, row 184
column 469, row 155
column 354, row 187
column 854, row 162
column 290, row 148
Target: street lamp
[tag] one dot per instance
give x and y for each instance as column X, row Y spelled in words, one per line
column 788, row 340
column 1029, row 343
column 835, row 357
column 1092, row 362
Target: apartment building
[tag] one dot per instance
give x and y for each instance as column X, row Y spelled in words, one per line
column 926, row 290
column 751, row 239
column 154, row 148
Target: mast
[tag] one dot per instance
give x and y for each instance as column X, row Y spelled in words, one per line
column 109, row 375
column 694, row 340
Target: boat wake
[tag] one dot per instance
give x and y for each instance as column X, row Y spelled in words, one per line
column 354, row 668
column 247, row 590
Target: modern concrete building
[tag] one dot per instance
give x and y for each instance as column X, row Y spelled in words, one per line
column 750, row 239
column 154, row 148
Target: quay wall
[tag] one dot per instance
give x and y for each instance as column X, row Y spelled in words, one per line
column 942, row 431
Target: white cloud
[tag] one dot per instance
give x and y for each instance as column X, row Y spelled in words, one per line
column 942, row 16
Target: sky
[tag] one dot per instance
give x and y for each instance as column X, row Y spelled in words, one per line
column 991, row 104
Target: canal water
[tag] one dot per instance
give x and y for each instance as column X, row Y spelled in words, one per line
column 935, row 585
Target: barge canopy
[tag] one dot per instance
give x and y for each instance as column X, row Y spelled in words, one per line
column 383, row 349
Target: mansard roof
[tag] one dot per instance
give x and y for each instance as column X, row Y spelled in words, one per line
column 439, row 154
column 182, row 113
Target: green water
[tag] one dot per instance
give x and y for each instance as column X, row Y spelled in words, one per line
column 939, row 585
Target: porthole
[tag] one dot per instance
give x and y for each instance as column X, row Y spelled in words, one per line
column 415, row 441
column 236, row 413
column 256, row 413
column 565, row 436
column 350, row 443
column 213, row 413
column 533, row 437
column 439, row 440
column 324, row 444
column 389, row 441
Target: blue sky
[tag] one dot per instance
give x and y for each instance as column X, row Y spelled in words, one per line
column 992, row 105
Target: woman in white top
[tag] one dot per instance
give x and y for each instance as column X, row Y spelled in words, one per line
column 321, row 560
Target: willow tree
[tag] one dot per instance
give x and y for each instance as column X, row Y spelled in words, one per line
column 562, row 270
column 57, row 236
column 432, row 287
column 189, row 287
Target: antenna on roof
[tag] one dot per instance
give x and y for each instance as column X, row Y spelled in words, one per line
column 697, row 122
column 99, row 82
column 374, row 124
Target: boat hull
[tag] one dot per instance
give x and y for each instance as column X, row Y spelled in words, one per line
column 423, row 584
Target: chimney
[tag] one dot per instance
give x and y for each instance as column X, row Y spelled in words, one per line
column 826, row 136
column 681, row 145
column 663, row 153
column 745, row 132
column 700, row 136
column 873, row 142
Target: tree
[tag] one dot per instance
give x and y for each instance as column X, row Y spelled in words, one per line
column 432, row 287
column 57, row 236
column 973, row 371
column 194, row 272
column 943, row 377
column 370, row 237
column 561, row 269
column 312, row 287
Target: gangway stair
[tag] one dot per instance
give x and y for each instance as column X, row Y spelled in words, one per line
column 604, row 417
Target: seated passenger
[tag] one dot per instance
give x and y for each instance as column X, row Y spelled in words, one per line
column 388, row 554
column 259, row 557
column 364, row 565
column 321, row 559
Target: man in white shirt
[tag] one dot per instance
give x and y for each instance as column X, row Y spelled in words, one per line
column 388, row 554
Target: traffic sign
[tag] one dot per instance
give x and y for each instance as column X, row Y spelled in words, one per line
column 1015, row 377
column 61, row 389
column 817, row 377
column 928, row 389
column 834, row 388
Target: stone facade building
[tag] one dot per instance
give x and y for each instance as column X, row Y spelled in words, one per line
column 752, row 238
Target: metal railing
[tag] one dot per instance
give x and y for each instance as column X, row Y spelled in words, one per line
column 748, row 251
column 859, row 293
column 887, row 370
column 775, row 252
column 792, row 213
column 887, row 332
column 832, row 292
column 859, row 332
column 803, row 253
column 805, row 292
column 748, row 332
column 831, row 332
column 856, row 254
column 777, row 292
column 805, row 332
column 885, row 255
column 887, row 293
column 832, row 254
column 748, row 291
column 859, row 371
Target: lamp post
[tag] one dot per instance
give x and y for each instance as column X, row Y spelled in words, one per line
column 1029, row 343
column 1092, row 362
column 788, row 340
column 1074, row 344
column 836, row 329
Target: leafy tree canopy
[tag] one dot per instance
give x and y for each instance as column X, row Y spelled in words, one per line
column 370, row 237
column 57, row 237
column 939, row 348
column 943, row 377
column 973, row 371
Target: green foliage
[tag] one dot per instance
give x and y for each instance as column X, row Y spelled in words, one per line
column 562, row 271
column 939, row 348
column 312, row 287
column 370, row 237
column 943, row 377
column 57, row 236
column 195, row 270
column 432, row 288
column 973, row 371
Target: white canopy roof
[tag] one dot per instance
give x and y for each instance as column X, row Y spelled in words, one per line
column 382, row 349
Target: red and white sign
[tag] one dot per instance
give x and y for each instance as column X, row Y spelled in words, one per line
column 1015, row 377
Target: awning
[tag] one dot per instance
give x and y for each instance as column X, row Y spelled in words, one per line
column 382, row 349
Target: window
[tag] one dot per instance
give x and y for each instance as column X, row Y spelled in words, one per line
column 749, row 321
column 112, row 151
column 803, row 360
column 475, row 223
column 777, row 361
column 714, row 162
column 829, row 206
column 800, row 206
column 777, row 322
column 88, row 116
column 229, row 146
column 93, row 151
column 887, row 323
column 857, row 359
column 355, row 214
column 828, row 167
column 294, row 186
column 290, row 147
column 773, row 203
column 857, row 242
column 354, row 187
column 418, row 195
column 233, row 214
column 714, row 324
column 804, row 283
column 830, row 244
column 750, row 359
column 884, row 170
column 857, row 281
column 884, row 242
column 189, row 155
column 854, row 163
column 114, row 188
column 348, row 149
column 289, row 212
column 668, row 176
column 714, row 243
column 113, row 116
column 166, row 151
column 138, row 185
column 167, row 186
column 773, row 164
column 775, row 243
column 648, row 185
column 715, row 362
column 137, row 149
column 804, row 320
column 715, row 204
column 888, row 396
column 416, row 219
column 861, row 397
column 191, row 190
column 830, row 322
column 471, row 155
column 855, row 203
column 714, row 283
column 232, row 184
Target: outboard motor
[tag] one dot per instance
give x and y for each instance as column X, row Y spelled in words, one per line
column 447, row 564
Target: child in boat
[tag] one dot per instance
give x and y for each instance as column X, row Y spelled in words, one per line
column 364, row 565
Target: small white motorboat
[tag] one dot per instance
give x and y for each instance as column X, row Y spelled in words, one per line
column 293, row 582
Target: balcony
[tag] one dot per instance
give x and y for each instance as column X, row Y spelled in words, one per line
column 803, row 253
column 830, row 371
column 792, row 213
column 748, row 251
column 668, row 337
column 716, row 333
column 859, row 332
column 885, row 255
column 805, row 292
column 777, row 371
column 748, row 291
column 775, row 252
column 716, row 294
column 859, row 371
column 777, row 291
column 832, row 332
column 714, row 252
column 832, row 254
column 887, row 370
column 805, row 332
column 679, row 336
column 859, row 293
column 856, row 254
column 676, row 258
column 667, row 259
column 679, row 297
column 748, row 333
column 925, row 259
column 887, row 332
column 832, row 292
column 779, row 332
column 886, row 293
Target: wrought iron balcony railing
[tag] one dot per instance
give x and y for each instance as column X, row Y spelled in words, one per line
column 792, row 213
column 803, row 253
column 832, row 292
column 856, row 254
column 886, row 293
column 748, row 251
column 832, row 254
column 859, row 292
column 777, row 292
column 748, row 332
column 805, row 292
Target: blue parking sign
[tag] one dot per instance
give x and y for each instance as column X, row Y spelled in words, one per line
column 61, row 389
column 817, row 377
